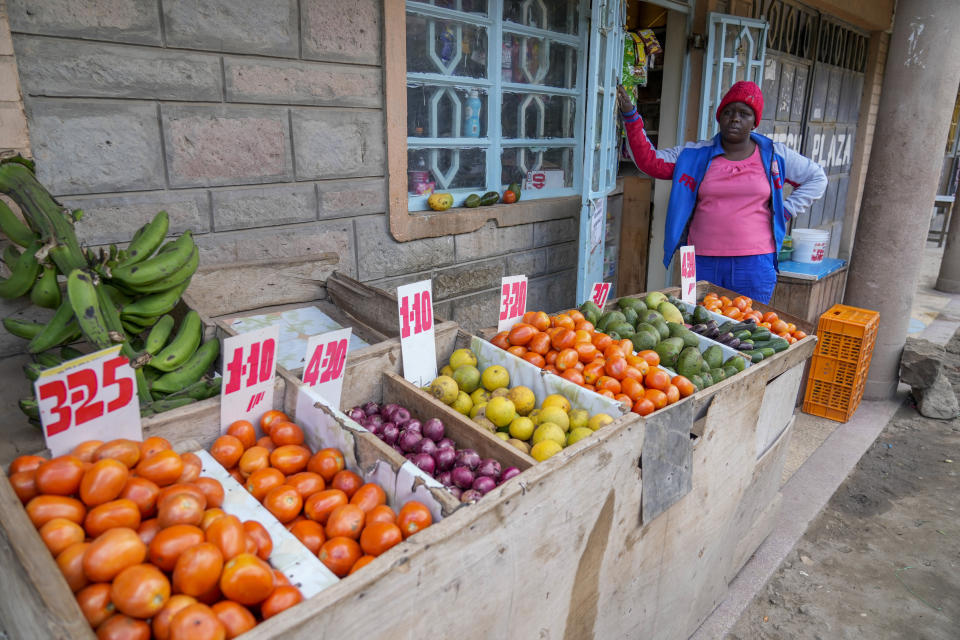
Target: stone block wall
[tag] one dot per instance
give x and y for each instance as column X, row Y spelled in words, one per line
column 258, row 125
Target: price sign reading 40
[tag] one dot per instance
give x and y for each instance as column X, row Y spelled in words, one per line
column 513, row 301
column 93, row 397
column 599, row 292
column 249, row 367
column 325, row 360
column 688, row 275
column 415, row 306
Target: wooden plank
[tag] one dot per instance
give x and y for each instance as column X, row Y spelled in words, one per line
column 372, row 306
column 667, row 458
column 779, row 399
column 634, row 235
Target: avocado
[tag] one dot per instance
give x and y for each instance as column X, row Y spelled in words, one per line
column 669, row 350
column 697, row 381
column 632, row 303
column 713, row 356
column 516, row 190
column 623, row 328
column 653, row 299
column 631, row 315
column 643, row 340
column 590, row 311
column 473, row 200
column 729, row 370
column 701, row 315
column 651, row 315
column 736, row 361
column 490, row 197
column 690, row 338
column 717, row 375
column 688, row 362
column 676, row 329
column 662, row 328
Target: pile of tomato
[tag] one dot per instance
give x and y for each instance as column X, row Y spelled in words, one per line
column 329, row 508
column 141, row 540
column 741, row 308
column 566, row 344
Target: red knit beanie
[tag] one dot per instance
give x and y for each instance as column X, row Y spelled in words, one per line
column 746, row 92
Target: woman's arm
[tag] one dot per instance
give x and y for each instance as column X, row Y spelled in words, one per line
column 808, row 179
column 653, row 162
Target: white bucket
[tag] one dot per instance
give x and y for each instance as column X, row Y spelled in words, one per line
column 810, row 245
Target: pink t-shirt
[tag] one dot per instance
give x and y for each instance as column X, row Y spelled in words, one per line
column 733, row 216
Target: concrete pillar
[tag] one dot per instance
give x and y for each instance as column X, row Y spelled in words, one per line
column 919, row 89
column 948, row 279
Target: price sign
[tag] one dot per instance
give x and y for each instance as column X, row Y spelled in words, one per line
column 599, row 292
column 415, row 303
column 688, row 275
column 249, row 367
column 326, row 357
column 513, row 301
column 93, row 397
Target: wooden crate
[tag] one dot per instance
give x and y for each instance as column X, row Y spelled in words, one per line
column 808, row 299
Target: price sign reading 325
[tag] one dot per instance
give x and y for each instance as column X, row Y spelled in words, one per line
column 513, row 301
column 249, row 366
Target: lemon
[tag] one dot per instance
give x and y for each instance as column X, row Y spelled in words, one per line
column 557, row 416
column 485, row 424
column 599, row 420
column 467, row 377
column 479, row 409
column 535, row 416
column 502, row 392
column 444, row 389
column 503, row 436
column 501, row 411
column 579, row 418
column 446, row 371
column 556, row 400
column 549, row 431
column 523, row 399
column 522, row 428
column 495, row 377
column 519, row 444
column 480, row 396
column 543, row 450
column 462, row 357
column 578, row 434
column 463, row 403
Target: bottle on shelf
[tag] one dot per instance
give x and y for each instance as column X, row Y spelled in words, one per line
column 471, row 116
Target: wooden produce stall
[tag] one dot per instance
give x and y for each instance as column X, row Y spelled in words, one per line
column 807, row 299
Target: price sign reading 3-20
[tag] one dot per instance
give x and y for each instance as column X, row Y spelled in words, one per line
column 599, row 292
column 688, row 275
column 513, row 301
column 93, row 397
column 415, row 305
column 325, row 363
column 249, row 367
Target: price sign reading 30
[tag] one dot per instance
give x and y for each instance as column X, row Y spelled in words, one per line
column 415, row 305
column 599, row 292
column 688, row 275
column 93, row 397
column 513, row 301
column 249, row 367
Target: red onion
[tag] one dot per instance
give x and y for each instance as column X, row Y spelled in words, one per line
column 409, row 456
column 445, row 458
column 374, row 428
column 413, row 425
column 408, row 441
column 389, row 411
column 401, row 416
column 375, row 419
column 462, row 477
column 371, row 408
column 427, row 446
column 425, row 462
column 397, row 449
column 456, row 491
column 489, row 467
column 389, row 432
column 445, row 478
column 446, row 443
column 483, row 484
column 433, row 429
column 470, row 495
column 356, row 414
column 468, row 458
column 508, row 473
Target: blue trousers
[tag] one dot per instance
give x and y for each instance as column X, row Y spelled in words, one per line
column 751, row 276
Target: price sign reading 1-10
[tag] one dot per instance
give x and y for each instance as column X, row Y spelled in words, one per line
column 416, row 315
column 258, row 367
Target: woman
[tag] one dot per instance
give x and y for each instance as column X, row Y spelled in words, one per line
column 727, row 196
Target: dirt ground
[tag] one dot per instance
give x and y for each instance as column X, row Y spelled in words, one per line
column 883, row 558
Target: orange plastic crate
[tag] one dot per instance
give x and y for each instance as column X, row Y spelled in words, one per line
column 838, row 370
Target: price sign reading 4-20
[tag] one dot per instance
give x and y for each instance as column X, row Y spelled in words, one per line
column 688, row 275
column 415, row 304
column 513, row 301
column 324, row 363
column 599, row 292
column 93, row 397
column 249, row 367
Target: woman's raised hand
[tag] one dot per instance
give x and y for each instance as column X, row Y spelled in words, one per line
column 623, row 100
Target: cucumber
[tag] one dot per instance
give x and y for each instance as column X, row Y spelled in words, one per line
column 743, row 334
column 767, row 352
column 755, row 355
column 779, row 344
column 726, row 326
column 761, row 333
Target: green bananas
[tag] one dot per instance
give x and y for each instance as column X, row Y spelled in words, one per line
column 60, row 329
column 82, row 295
column 156, row 304
column 13, row 227
column 183, row 346
column 159, row 334
column 167, row 262
column 46, row 290
column 146, row 240
column 22, row 328
column 23, row 273
column 191, row 371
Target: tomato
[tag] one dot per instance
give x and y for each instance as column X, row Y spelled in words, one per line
column 284, row 502
column 539, row 343
column 518, row 351
column 643, row 406
column 563, row 320
column 771, row 317
column 592, row 372
column 244, row 432
column 616, row 367
column 339, row 555
column 247, row 579
column 563, row 339
column 60, row 476
column 319, row 506
column 347, row 481
column 413, row 517
column 310, row 534
column 169, row 543
column 181, row 508
column 227, row 450
column 148, row 530
column 103, row 481
column 209, row 516
column 236, row 618
column 152, row 445
column 657, row 379
column 346, row 520
column 143, row 493
column 651, row 356
column 26, row 463
column 60, row 533
column 606, row 383
column 111, row 552
column 535, row 359
column 270, row 417
column 254, row 459
column 799, row 335
column 500, row 340
column 126, row 451
column 573, row 375
column 121, row 627
column 24, row 484
column 286, row 432
column 87, row 451
column 196, row 622
column 566, row 359
column 42, row 509
column 632, row 388
column 521, row 333
column 290, row 458
column 509, row 197
column 228, row 535
column 140, row 591
column 361, row 563
column 381, row 513
column 657, row 397
column 161, row 621
column 95, row 603
column 168, row 493
column 306, row 483
column 70, row 562
column 586, row 352
column 198, row 569
column 327, row 463
column 378, row 537
column 192, row 466
column 162, row 468
column 259, row 534
column 673, row 394
column 368, row 496
column 282, row 598
column 266, row 443
column 261, row 481
column 116, row 513
column 212, row 490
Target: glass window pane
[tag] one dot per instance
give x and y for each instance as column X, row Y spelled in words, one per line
column 445, row 112
column 448, row 47
column 538, row 61
column 530, row 115
column 562, row 16
column 444, row 169
column 555, row 165
column 469, row 6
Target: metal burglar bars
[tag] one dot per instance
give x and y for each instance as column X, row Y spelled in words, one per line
column 523, row 64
